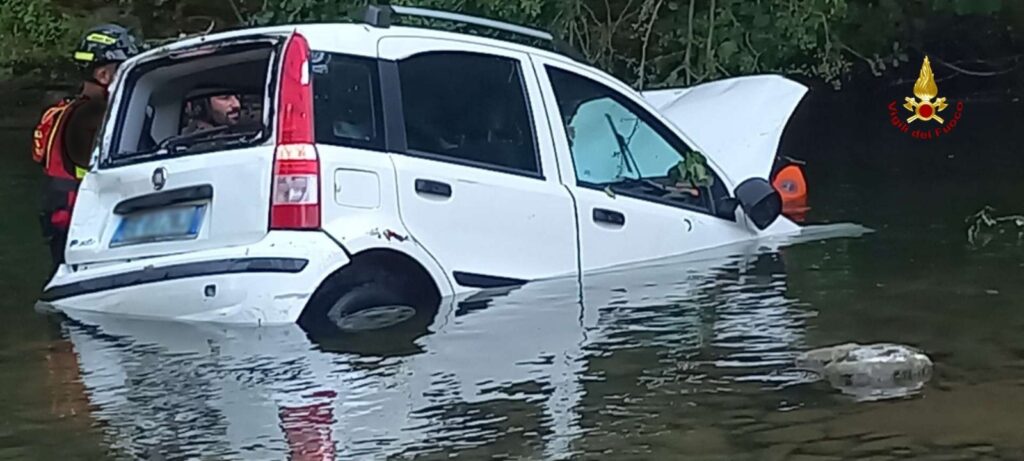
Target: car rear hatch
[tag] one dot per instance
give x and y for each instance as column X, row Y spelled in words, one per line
column 177, row 172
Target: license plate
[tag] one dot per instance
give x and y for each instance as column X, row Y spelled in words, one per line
column 177, row 223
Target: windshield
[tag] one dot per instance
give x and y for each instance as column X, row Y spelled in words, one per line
column 618, row 146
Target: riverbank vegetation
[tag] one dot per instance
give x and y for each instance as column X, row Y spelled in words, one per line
column 646, row 42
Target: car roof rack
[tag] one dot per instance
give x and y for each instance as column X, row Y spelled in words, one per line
column 381, row 16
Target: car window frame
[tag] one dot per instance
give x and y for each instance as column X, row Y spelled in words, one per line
column 670, row 136
column 394, row 112
column 381, row 141
column 110, row 137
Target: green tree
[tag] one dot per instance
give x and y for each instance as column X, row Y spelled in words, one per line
column 649, row 43
column 33, row 33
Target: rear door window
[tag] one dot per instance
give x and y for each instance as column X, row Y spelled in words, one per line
column 468, row 108
column 347, row 104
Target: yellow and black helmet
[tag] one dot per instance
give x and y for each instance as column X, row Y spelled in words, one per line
column 105, row 44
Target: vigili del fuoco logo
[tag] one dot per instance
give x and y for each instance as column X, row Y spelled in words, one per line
column 925, row 110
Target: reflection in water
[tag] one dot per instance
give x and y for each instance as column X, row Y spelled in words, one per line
column 511, row 370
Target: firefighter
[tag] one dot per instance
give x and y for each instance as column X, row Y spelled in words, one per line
column 63, row 139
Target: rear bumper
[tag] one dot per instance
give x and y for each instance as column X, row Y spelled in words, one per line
column 265, row 283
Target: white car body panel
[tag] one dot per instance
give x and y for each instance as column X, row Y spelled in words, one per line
column 651, row 230
column 224, row 224
column 342, row 38
column 495, row 224
column 349, row 214
column 258, row 298
column 737, row 121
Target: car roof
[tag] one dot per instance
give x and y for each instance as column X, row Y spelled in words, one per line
column 354, row 38
column 361, row 39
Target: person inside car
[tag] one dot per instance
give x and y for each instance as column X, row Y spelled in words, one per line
column 213, row 111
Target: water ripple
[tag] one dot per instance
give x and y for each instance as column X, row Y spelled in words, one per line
column 528, row 368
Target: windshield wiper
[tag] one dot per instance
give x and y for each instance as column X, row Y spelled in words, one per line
column 179, row 142
column 632, row 182
column 623, row 145
column 225, row 139
column 185, row 137
column 626, row 185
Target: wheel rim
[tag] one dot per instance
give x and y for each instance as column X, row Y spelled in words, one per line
column 375, row 318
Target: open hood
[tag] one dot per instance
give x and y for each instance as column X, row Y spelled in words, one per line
column 737, row 122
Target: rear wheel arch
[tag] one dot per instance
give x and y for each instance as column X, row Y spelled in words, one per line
column 393, row 275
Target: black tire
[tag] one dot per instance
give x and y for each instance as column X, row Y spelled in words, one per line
column 355, row 303
column 370, row 306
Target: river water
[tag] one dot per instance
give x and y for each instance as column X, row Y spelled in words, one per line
column 686, row 359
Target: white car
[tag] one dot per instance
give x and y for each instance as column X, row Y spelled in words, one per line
column 388, row 167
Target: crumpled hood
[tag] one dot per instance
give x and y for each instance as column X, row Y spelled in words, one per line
column 737, row 122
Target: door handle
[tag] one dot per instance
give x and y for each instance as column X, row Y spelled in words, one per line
column 614, row 218
column 426, row 186
column 165, row 198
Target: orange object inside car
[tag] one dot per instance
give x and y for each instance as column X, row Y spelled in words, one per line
column 792, row 187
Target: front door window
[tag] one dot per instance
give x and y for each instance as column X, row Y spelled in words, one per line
column 618, row 147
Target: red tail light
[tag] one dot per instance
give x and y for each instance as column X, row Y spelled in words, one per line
column 295, row 191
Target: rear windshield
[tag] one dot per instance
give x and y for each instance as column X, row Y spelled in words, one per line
column 184, row 105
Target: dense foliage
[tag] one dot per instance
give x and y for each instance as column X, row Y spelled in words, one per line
column 647, row 42
column 31, row 31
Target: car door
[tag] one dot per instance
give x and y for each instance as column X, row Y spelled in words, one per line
column 619, row 158
column 478, row 185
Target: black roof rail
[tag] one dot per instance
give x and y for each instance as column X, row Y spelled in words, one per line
column 381, row 16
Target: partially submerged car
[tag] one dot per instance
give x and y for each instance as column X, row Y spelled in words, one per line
column 276, row 392
column 385, row 167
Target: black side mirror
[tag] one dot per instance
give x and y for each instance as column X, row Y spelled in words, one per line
column 760, row 201
column 726, row 208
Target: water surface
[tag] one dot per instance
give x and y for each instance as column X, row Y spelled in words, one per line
column 684, row 359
